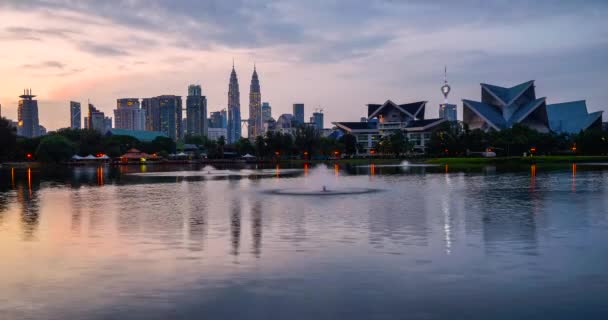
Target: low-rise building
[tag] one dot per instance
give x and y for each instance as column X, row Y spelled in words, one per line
column 388, row 118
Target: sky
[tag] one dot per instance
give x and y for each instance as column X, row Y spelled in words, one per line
column 339, row 55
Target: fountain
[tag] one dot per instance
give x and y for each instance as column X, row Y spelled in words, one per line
column 321, row 181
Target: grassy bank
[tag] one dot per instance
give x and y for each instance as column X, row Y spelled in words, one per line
column 518, row 160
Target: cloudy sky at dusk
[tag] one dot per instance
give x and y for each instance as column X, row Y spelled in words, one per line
column 339, row 55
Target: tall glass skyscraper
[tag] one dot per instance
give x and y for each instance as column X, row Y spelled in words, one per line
column 75, row 115
column 27, row 115
column 234, row 108
column 266, row 112
column 298, row 112
column 196, row 111
column 170, row 108
column 218, row 119
column 151, row 107
column 255, row 107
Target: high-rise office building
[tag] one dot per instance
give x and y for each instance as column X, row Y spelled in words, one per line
column 217, row 119
column 196, row 111
column 27, row 115
column 317, row 120
column 97, row 120
column 107, row 124
column 234, row 108
column 170, row 108
column 298, row 113
column 128, row 114
column 255, row 107
column 447, row 111
column 266, row 112
column 75, row 115
column 151, row 107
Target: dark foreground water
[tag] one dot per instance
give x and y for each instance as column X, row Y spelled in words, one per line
column 200, row 243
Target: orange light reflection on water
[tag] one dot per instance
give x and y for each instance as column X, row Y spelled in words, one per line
column 532, row 177
column 574, row 177
column 29, row 181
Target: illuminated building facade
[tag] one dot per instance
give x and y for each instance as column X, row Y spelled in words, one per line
column 27, row 115
column 128, row 114
column 255, row 107
column 234, row 108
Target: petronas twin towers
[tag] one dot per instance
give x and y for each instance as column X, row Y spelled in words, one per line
column 255, row 126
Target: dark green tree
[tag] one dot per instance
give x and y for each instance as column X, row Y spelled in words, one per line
column 55, row 148
column 350, row 143
column 8, row 139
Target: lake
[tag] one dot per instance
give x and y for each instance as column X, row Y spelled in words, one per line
column 156, row 242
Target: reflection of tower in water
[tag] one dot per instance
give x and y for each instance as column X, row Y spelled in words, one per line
column 256, row 228
column 447, row 219
column 30, row 211
column 235, row 226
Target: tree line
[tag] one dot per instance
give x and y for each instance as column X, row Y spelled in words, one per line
column 456, row 139
column 450, row 139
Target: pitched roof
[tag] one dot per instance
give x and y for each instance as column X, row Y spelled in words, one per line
column 570, row 117
column 507, row 94
column 486, row 111
column 525, row 110
column 357, row 125
column 412, row 109
column 140, row 135
column 424, row 125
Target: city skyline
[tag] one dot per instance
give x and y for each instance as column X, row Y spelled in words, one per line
column 92, row 52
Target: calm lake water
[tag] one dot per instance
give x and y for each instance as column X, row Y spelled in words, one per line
column 206, row 243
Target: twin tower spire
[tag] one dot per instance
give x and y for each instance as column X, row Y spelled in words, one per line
column 255, row 127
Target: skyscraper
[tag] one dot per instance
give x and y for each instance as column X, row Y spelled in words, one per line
column 151, row 108
column 317, row 120
column 255, row 107
column 97, row 120
column 27, row 115
column 234, row 108
column 128, row 114
column 447, row 111
column 196, row 111
column 266, row 112
column 170, row 108
column 217, row 119
column 298, row 113
column 75, row 115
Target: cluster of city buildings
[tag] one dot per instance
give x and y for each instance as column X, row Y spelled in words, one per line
column 147, row 118
column 163, row 115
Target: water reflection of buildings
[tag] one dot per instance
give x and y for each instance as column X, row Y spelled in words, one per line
column 235, row 226
column 197, row 222
column 26, row 189
column 256, row 227
column 506, row 205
